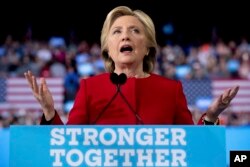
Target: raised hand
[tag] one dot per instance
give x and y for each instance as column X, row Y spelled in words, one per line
column 42, row 94
column 221, row 103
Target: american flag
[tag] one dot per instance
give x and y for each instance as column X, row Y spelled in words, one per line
column 15, row 93
column 242, row 100
column 202, row 92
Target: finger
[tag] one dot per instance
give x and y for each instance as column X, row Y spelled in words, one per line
column 28, row 78
column 34, row 84
column 234, row 91
column 220, row 99
column 223, row 101
column 43, row 86
column 225, row 96
column 30, row 74
column 229, row 95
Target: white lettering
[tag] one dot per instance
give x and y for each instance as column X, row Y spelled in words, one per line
column 161, row 159
column 57, row 136
column 237, row 158
column 57, row 154
column 127, row 153
column 147, row 139
column 109, row 157
column 119, row 147
column 243, row 157
column 147, row 157
column 90, row 136
column 110, row 139
column 178, row 134
column 96, row 157
column 76, row 153
column 178, row 156
column 240, row 158
column 123, row 136
column 161, row 136
column 73, row 132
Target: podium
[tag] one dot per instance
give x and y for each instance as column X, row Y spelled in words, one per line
column 117, row 146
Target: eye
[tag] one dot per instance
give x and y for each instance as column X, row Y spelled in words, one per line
column 116, row 31
column 135, row 30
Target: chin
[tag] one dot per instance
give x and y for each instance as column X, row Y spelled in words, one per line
column 127, row 61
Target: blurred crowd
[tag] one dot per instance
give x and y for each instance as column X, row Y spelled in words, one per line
column 73, row 60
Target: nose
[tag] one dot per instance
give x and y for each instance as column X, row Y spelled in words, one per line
column 125, row 36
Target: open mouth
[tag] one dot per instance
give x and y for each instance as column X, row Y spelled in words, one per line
column 126, row 48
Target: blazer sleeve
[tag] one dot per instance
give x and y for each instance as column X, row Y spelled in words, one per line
column 56, row 120
column 201, row 121
column 182, row 114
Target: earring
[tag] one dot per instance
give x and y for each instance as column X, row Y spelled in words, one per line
column 148, row 52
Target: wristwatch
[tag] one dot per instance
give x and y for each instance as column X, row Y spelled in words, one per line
column 206, row 122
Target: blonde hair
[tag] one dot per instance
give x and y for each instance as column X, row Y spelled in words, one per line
column 149, row 60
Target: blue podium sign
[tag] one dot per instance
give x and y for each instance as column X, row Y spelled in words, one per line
column 117, row 146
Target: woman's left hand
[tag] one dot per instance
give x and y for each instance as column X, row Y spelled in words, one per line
column 221, row 103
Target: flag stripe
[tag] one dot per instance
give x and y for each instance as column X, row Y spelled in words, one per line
column 22, row 81
column 229, row 83
column 25, row 89
column 29, row 98
column 242, row 92
column 35, row 106
column 241, row 102
column 16, row 93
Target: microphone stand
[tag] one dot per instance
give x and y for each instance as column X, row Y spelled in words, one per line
column 138, row 118
column 118, row 80
column 106, row 107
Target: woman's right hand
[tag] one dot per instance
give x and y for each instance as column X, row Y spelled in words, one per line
column 42, row 94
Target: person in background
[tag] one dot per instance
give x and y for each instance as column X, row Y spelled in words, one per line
column 128, row 92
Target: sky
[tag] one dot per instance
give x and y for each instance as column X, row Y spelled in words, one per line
column 192, row 22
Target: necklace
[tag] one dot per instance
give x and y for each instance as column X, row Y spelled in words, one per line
column 143, row 75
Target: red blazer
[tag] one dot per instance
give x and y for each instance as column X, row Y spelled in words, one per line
column 156, row 100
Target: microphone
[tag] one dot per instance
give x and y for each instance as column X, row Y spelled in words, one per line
column 119, row 80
